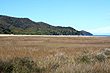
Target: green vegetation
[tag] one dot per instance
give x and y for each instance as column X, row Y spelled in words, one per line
column 5, row 30
column 11, row 25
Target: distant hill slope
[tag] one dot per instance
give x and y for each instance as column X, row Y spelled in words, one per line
column 85, row 32
column 12, row 25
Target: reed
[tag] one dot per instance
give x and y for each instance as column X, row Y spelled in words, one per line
column 55, row 54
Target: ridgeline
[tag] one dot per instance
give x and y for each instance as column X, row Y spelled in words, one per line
column 12, row 25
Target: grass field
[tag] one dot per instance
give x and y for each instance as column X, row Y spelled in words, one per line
column 56, row 54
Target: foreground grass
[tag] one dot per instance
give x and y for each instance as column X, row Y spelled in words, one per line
column 54, row 54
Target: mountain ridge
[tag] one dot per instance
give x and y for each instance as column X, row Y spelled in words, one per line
column 14, row 25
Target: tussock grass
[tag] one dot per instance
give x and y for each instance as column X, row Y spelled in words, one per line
column 54, row 54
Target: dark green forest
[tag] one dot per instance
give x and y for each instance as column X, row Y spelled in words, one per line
column 12, row 25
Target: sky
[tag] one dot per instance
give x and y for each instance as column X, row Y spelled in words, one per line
column 89, row 15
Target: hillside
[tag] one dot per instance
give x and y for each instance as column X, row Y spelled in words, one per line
column 85, row 32
column 12, row 25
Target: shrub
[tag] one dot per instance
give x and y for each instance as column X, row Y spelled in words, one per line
column 101, row 57
column 6, row 66
column 84, row 58
column 19, row 65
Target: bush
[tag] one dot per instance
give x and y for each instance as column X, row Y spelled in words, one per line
column 19, row 65
column 6, row 67
column 84, row 58
column 101, row 57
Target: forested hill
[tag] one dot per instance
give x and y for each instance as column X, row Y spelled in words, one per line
column 85, row 32
column 12, row 25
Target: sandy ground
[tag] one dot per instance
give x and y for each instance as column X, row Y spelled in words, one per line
column 46, row 35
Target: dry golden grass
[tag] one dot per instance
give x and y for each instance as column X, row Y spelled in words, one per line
column 62, row 51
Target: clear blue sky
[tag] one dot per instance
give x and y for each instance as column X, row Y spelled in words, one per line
column 90, row 15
